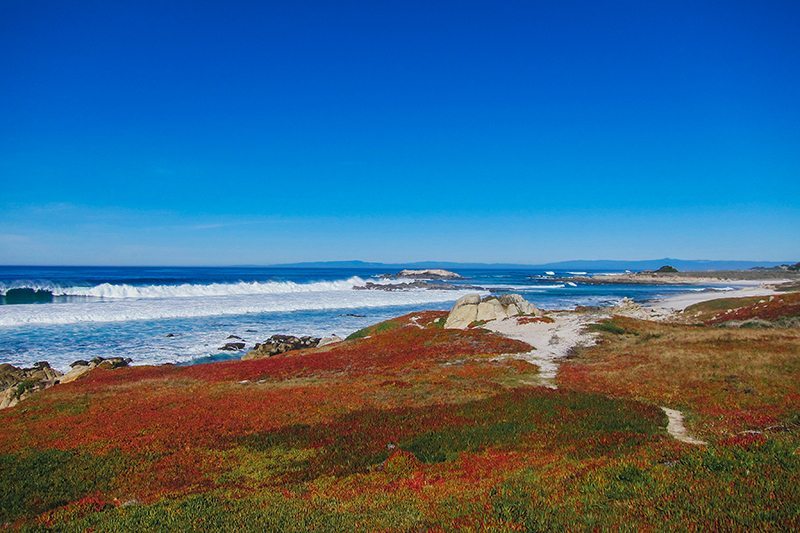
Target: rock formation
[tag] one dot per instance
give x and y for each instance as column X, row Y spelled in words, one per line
column 430, row 273
column 413, row 285
column 629, row 308
column 17, row 384
column 325, row 341
column 278, row 344
column 231, row 347
column 471, row 308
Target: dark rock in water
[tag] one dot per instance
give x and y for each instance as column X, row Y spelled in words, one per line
column 250, row 331
column 79, row 362
column 278, row 344
column 232, row 347
column 170, row 335
column 234, row 337
column 414, row 285
column 354, row 315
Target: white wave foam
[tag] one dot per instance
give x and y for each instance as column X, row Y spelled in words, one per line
column 143, row 308
column 707, row 289
column 187, row 290
column 577, row 273
column 522, row 287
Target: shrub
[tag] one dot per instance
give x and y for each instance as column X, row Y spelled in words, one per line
column 608, row 326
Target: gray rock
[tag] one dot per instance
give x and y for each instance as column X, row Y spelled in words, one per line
column 232, row 347
column 325, row 341
column 278, row 344
column 471, row 308
column 17, row 384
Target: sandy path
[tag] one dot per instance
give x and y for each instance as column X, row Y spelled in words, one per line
column 551, row 341
column 676, row 428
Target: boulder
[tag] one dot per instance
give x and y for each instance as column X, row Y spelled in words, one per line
column 231, row 347
column 471, row 308
column 80, row 367
column 111, row 362
column 523, row 306
column 491, row 309
column 464, row 312
column 629, row 308
column 278, row 344
column 17, row 384
column 325, row 341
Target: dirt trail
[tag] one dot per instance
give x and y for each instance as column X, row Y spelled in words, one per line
column 676, row 428
column 551, row 341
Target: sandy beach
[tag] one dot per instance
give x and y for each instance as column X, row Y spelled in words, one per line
column 680, row 302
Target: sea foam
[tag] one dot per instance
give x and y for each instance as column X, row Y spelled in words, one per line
column 123, row 309
column 186, row 290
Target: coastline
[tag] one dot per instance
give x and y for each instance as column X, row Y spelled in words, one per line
column 676, row 303
column 409, row 403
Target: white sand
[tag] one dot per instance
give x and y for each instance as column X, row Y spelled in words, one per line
column 551, row 341
column 672, row 304
column 676, row 429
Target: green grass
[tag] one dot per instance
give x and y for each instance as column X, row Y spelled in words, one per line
column 22, row 387
column 608, row 326
column 381, row 327
column 720, row 304
column 38, row 481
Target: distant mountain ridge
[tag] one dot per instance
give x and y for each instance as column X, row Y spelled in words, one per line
column 578, row 264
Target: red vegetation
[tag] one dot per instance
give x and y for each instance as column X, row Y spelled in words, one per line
column 766, row 308
column 535, row 320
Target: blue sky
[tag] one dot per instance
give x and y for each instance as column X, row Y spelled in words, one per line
column 246, row 132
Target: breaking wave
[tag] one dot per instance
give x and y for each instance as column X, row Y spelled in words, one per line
column 122, row 310
column 185, row 290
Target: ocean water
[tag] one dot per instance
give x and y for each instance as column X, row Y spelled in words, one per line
column 183, row 315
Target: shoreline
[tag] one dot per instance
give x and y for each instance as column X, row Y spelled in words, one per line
column 659, row 308
column 678, row 302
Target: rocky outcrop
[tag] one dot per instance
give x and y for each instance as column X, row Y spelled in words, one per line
column 471, row 308
column 278, row 344
column 412, row 285
column 325, row 341
column 629, row 308
column 429, row 273
column 17, row 384
column 80, row 368
column 231, row 347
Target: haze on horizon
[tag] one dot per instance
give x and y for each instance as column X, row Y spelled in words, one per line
column 527, row 132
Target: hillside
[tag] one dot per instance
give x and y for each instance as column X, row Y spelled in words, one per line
column 409, row 426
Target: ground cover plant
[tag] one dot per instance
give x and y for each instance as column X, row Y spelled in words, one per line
column 409, row 426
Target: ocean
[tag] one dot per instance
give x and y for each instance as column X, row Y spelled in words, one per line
column 184, row 314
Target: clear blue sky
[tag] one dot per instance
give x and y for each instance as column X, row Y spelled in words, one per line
column 260, row 132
